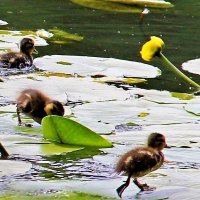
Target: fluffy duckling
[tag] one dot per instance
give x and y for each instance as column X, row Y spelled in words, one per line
column 141, row 161
column 37, row 105
column 19, row 59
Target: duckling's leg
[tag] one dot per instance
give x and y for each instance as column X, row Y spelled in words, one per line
column 143, row 187
column 20, row 121
column 18, row 117
column 121, row 189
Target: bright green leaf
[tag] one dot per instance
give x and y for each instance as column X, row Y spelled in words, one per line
column 182, row 96
column 67, row 131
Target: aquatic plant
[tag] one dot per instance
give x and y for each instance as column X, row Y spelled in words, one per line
column 153, row 48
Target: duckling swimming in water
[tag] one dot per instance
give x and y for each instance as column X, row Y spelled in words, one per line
column 141, row 161
column 37, row 105
column 20, row 59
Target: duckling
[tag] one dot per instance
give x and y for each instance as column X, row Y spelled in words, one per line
column 37, row 105
column 19, row 59
column 141, row 161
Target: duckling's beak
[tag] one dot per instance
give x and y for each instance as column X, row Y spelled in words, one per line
column 35, row 51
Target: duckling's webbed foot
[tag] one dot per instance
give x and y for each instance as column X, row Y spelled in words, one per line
column 121, row 189
column 143, row 187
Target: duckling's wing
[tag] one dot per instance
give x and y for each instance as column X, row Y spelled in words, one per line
column 140, row 162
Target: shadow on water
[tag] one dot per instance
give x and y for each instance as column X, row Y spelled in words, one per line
column 78, row 165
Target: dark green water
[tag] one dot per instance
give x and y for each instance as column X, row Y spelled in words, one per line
column 113, row 34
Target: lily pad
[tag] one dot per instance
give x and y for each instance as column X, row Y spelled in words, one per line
column 24, row 145
column 62, row 89
column 108, row 6
column 12, row 38
column 63, row 37
column 148, row 3
column 3, row 22
column 10, row 167
column 66, row 131
column 83, row 65
column 193, row 108
column 192, row 66
column 122, row 112
column 162, row 97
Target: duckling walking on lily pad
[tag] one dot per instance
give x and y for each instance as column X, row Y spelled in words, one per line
column 19, row 59
column 141, row 161
column 37, row 105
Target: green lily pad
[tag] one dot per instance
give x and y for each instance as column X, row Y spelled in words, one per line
column 67, row 131
column 63, row 37
column 148, row 3
column 108, row 6
column 10, row 167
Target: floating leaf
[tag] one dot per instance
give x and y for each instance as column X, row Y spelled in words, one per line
column 108, row 6
column 44, row 34
column 120, row 112
column 24, row 145
column 146, row 3
column 183, row 96
column 3, row 22
column 63, row 37
column 84, row 65
column 67, row 131
column 193, row 108
column 192, row 66
column 10, row 167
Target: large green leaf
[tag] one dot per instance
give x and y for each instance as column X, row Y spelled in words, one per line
column 67, row 131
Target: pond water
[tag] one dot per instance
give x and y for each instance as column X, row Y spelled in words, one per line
column 113, row 35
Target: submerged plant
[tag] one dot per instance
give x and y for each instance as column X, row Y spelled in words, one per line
column 154, row 48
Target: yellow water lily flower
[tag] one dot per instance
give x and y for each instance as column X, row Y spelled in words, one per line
column 152, row 48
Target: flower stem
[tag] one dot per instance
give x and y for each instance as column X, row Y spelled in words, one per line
column 177, row 71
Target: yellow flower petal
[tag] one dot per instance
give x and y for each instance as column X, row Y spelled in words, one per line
column 151, row 48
